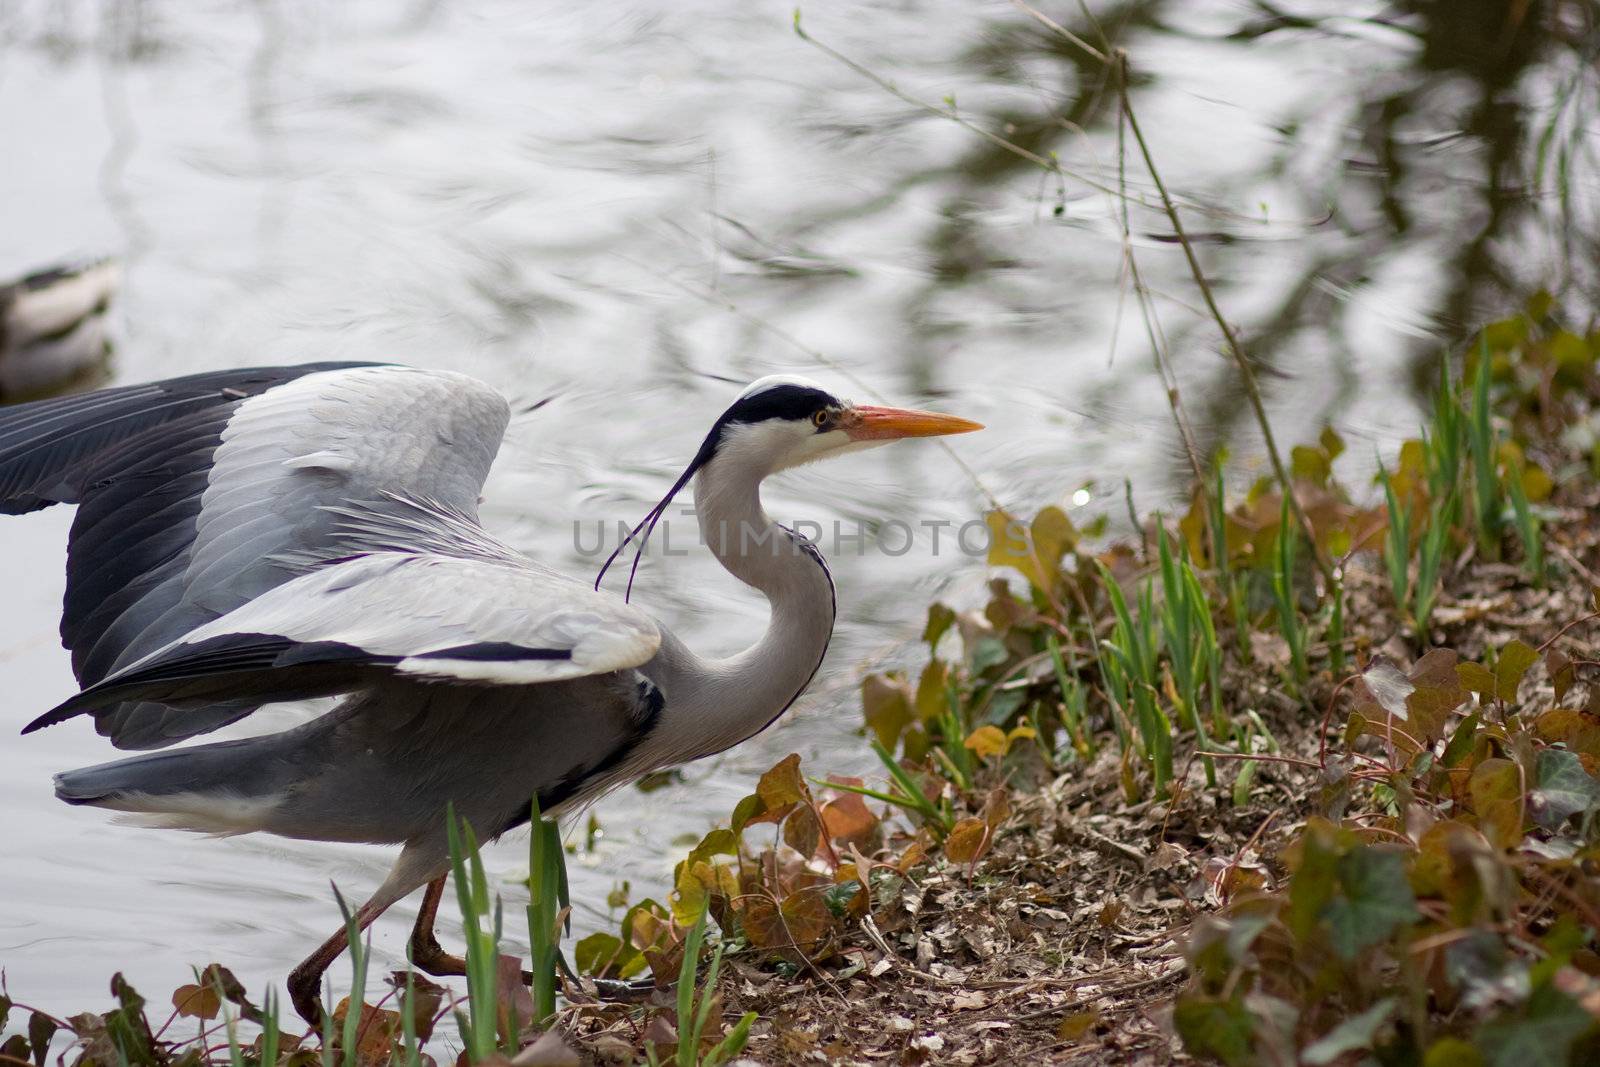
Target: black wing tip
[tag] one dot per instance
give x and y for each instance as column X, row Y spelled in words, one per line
column 495, row 651
column 56, row 715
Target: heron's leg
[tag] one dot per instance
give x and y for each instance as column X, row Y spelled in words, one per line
column 430, row 958
column 305, row 981
column 426, row 952
column 419, row 863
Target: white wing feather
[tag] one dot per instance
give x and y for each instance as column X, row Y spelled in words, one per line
column 395, row 604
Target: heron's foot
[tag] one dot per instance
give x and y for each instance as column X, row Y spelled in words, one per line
column 305, row 993
column 429, row 957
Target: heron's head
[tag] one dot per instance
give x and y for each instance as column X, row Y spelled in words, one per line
column 780, row 422
column 783, row 421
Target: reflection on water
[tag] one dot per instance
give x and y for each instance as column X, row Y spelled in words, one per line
column 622, row 206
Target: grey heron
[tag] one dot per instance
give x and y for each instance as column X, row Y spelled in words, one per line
column 252, row 536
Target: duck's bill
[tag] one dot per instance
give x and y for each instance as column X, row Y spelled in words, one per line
column 868, row 423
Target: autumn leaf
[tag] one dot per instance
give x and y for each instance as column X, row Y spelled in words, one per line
column 940, row 618
column 1477, row 679
column 847, row 819
column 967, row 841
column 802, row 831
column 196, row 1002
column 782, row 785
column 886, row 707
column 1562, row 672
column 1412, row 707
column 1512, row 664
column 1496, row 788
column 987, row 741
column 932, row 700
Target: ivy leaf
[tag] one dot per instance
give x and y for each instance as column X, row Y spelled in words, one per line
column 41, row 1028
column 1213, row 1027
column 1565, row 789
column 1513, row 663
column 692, row 893
column 593, row 954
column 806, row 917
column 719, row 842
column 1496, row 790
column 1389, row 687
column 802, row 831
column 1452, row 1052
column 1540, row 1033
column 196, row 1002
column 1053, row 535
column 1477, row 678
column 1312, row 885
column 1411, row 708
column 847, row 819
column 1462, row 741
column 750, row 809
column 1375, row 900
column 1354, row 1034
column 1034, row 550
column 940, row 618
column 931, row 700
column 1331, row 442
column 15, row 1047
column 1309, row 464
column 1562, row 672
column 782, row 785
column 987, row 741
column 966, row 841
column 886, row 706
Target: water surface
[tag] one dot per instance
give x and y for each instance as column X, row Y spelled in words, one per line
column 623, row 208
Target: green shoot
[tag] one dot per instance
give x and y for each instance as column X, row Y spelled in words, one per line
column 1480, row 438
column 1396, row 543
column 694, row 1008
column 230, row 1023
column 1073, row 702
column 478, row 1023
column 1227, row 581
column 270, row 1032
column 1444, row 438
column 1336, row 628
column 360, row 953
column 1182, row 607
column 1131, row 668
column 1430, row 561
column 546, row 863
column 410, row 1047
column 952, row 752
column 1283, row 593
column 1528, row 526
column 1209, row 647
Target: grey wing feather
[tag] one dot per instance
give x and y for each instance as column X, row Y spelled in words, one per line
column 198, row 494
column 425, row 617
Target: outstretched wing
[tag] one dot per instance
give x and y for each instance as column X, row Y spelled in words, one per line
column 197, row 495
column 476, row 621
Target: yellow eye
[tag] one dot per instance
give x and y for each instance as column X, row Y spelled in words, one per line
column 819, row 418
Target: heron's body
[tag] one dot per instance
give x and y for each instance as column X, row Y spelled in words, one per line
column 263, row 535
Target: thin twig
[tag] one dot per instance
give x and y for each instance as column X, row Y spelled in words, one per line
column 1247, row 375
column 1049, row 163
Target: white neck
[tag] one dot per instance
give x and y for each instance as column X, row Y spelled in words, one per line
column 712, row 705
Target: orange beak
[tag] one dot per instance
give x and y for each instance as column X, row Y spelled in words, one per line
column 867, row 423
